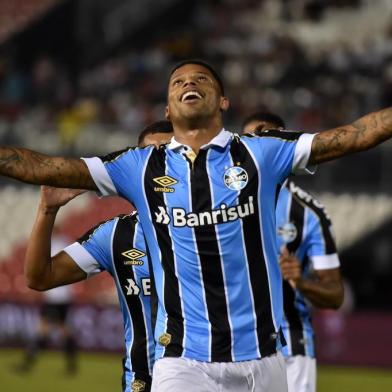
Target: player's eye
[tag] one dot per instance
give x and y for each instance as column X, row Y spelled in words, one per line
column 202, row 78
column 177, row 82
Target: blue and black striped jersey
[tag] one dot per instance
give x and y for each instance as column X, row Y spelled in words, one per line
column 305, row 229
column 209, row 221
column 118, row 247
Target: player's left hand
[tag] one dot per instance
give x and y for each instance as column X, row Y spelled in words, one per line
column 290, row 267
column 53, row 198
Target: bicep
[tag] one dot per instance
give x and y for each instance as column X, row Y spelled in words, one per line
column 331, row 275
column 64, row 270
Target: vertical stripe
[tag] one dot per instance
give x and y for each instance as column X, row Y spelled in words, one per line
column 156, row 167
column 143, row 272
column 185, row 247
column 266, row 330
column 175, row 256
column 123, row 240
column 297, row 217
column 234, row 261
column 211, row 267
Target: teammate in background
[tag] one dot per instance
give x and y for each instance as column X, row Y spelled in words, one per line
column 206, row 202
column 116, row 246
column 55, row 309
column 309, row 265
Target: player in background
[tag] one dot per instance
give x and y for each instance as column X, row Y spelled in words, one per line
column 220, row 305
column 116, row 246
column 309, row 265
column 54, row 313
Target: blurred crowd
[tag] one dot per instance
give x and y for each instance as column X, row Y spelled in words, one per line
column 255, row 44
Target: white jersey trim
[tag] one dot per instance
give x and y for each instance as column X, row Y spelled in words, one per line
column 83, row 259
column 100, row 176
column 325, row 261
column 302, row 152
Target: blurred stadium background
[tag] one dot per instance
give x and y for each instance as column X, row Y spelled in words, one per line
column 83, row 77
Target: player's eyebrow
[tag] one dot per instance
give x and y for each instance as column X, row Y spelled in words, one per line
column 175, row 78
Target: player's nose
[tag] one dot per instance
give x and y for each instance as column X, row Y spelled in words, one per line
column 189, row 82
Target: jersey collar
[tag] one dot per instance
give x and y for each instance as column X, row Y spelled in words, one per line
column 220, row 140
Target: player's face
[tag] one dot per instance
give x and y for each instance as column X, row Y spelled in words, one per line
column 257, row 125
column 156, row 139
column 194, row 94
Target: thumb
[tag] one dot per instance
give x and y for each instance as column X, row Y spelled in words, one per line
column 284, row 251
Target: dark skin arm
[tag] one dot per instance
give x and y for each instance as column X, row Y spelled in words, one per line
column 324, row 290
column 35, row 168
column 43, row 272
column 361, row 135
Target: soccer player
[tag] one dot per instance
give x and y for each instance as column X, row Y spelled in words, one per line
column 309, row 265
column 116, row 246
column 53, row 317
column 206, row 203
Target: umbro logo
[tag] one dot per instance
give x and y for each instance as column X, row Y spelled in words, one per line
column 165, row 183
column 138, row 386
column 133, row 257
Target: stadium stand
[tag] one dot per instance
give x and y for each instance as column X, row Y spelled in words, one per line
column 15, row 15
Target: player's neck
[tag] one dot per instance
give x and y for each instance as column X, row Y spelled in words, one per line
column 195, row 137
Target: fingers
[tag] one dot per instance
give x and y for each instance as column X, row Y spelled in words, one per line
column 284, row 251
column 290, row 267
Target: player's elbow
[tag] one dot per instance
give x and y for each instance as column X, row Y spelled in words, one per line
column 338, row 298
column 36, row 284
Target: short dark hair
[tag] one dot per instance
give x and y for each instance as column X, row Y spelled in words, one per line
column 264, row 116
column 203, row 64
column 163, row 126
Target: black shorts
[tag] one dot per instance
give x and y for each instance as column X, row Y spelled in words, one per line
column 55, row 313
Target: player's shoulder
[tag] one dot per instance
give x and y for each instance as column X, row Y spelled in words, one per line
column 307, row 200
column 108, row 225
column 139, row 152
column 280, row 134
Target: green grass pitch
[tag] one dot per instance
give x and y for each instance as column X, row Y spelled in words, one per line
column 102, row 373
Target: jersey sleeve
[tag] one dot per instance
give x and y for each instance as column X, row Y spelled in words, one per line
column 92, row 252
column 287, row 152
column 321, row 248
column 117, row 173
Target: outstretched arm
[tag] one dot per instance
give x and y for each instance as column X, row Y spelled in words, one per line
column 36, row 168
column 325, row 290
column 42, row 271
column 361, row 135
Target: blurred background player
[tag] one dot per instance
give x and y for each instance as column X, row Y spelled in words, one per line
column 309, row 265
column 53, row 320
column 116, row 246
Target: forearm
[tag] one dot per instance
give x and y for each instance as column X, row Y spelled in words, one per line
column 328, row 295
column 40, row 169
column 361, row 135
column 38, row 263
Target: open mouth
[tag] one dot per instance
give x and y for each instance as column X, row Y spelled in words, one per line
column 192, row 95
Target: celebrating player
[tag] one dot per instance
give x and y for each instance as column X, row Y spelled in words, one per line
column 116, row 246
column 206, row 203
column 309, row 265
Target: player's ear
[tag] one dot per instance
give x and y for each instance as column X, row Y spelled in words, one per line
column 224, row 103
column 167, row 113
